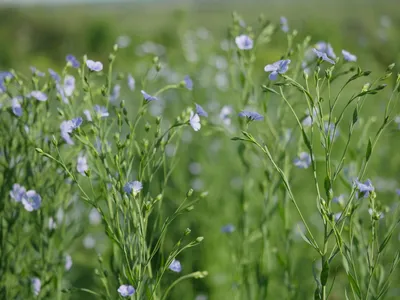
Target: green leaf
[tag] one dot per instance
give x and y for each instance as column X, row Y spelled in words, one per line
column 328, row 187
column 324, row 273
column 354, row 285
column 238, row 139
column 306, row 141
column 369, row 150
column 355, row 115
column 268, row 89
column 385, row 242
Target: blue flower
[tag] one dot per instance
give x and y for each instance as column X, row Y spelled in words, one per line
column 251, row 116
column 16, row 106
column 82, row 165
column 18, row 192
column 284, row 24
column 303, row 161
column 348, row 56
column 200, row 111
column 330, row 130
column 88, row 115
column 38, row 95
column 69, row 85
column 229, row 228
column 364, row 188
column 337, row 216
column 175, row 266
column 54, row 75
column 126, row 290
column 339, row 199
column 115, row 93
column 36, row 285
column 73, row 61
column 3, row 77
column 148, row 97
column 194, row 121
column 244, row 42
column 95, row 66
column 68, row 262
column 323, row 56
column 31, row 200
column 326, row 48
column 188, row 82
column 68, row 127
column 279, row 67
column 133, row 187
column 131, row 82
column 36, row 72
column 101, row 111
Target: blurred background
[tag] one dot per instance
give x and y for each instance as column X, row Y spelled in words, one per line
column 186, row 35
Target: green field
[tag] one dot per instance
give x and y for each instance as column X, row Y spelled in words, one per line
column 265, row 257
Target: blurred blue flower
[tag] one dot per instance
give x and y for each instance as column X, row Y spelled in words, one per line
column 339, row 199
column 16, row 106
column 73, row 61
column 194, row 121
column 337, row 216
column 325, row 48
column 131, row 82
column 88, row 115
column 82, row 165
column 68, row 127
column 68, row 262
column 364, row 188
column 95, row 66
column 303, row 161
column 251, row 116
column 348, row 56
column 200, row 111
column 376, row 214
column 244, row 42
column 323, row 56
column 3, row 77
column 36, row 285
column 188, row 82
column 279, row 67
column 148, row 97
column 18, row 192
column 126, row 290
column 31, row 200
column 133, row 187
column 175, row 266
column 284, row 24
column 101, row 111
column 36, row 72
column 229, row 228
column 69, row 85
column 54, row 75
column 330, row 130
column 38, row 95
column 115, row 93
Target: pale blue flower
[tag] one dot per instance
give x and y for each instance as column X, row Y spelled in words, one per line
column 115, row 93
column 54, row 75
column 36, row 72
column 284, row 24
column 69, row 85
column 131, row 82
column 18, row 192
column 330, row 130
column 200, row 111
column 3, row 77
column 364, row 188
column 339, row 199
column 82, row 165
column 337, row 216
column 251, row 116
column 126, row 290
column 348, row 56
column 101, row 111
column 378, row 214
column 147, row 97
column 31, row 200
column 244, row 42
column 229, row 228
column 325, row 48
column 68, row 262
column 194, row 121
column 123, row 41
column 175, row 266
column 16, row 106
column 68, row 127
column 88, row 115
column 225, row 114
column 133, row 187
column 73, row 61
column 38, row 95
column 52, row 224
column 323, row 56
column 36, row 285
column 279, row 67
column 95, row 66
column 303, row 161
column 188, row 82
